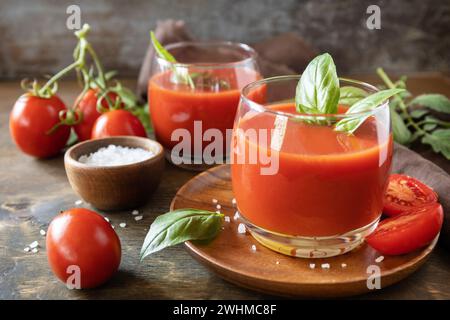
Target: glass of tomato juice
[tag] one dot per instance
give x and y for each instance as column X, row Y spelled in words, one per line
column 302, row 188
column 193, row 101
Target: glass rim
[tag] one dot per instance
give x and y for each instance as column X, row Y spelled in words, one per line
column 305, row 116
column 252, row 54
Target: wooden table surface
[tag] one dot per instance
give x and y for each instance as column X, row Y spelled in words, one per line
column 33, row 191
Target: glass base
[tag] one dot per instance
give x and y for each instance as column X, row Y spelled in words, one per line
column 310, row 247
column 189, row 163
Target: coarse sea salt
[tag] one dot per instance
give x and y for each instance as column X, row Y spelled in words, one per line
column 241, row 228
column 34, row 244
column 227, row 219
column 379, row 259
column 114, row 155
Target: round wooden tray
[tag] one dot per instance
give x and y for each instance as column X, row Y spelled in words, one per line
column 230, row 255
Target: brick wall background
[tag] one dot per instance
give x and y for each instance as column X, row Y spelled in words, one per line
column 414, row 35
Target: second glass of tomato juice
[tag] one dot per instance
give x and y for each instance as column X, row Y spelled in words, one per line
column 324, row 192
column 197, row 93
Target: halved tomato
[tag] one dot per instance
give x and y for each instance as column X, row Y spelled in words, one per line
column 408, row 231
column 404, row 193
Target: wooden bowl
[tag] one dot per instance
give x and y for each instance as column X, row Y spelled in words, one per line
column 115, row 187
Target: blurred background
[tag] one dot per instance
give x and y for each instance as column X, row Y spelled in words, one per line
column 414, row 34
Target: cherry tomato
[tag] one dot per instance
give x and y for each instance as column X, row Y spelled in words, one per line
column 87, row 104
column 30, row 121
column 404, row 193
column 80, row 237
column 407, row 231
column 117, row 123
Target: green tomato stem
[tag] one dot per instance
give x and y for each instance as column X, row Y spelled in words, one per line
column 387, row 81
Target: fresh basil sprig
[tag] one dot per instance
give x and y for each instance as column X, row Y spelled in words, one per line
column 181, row 75
column 317, row 91
column 421, row 118
column 179, row 226
column 349, row 95
column 351, row 123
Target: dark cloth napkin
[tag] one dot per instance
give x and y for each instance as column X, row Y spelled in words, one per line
column 289, row 54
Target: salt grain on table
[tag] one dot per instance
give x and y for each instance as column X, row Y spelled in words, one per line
column 241, row 228
column 35, row 250
column 78, row 202
column 379, row 259
column 343, row 265
column 312, row 265
column 26, row 249
column 236, row 215
column 233, row 201
column 135, row 212
column 227, row 219
column 122, row 224
column 42, row 232
column 215, row 201
column 114, row 155
column 325, row 266
column 219, row 207
column 34, row 244
column 138, row 218
column 253, row 248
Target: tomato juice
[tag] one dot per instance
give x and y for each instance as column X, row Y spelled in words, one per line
column 213, row 101
column 328, row 182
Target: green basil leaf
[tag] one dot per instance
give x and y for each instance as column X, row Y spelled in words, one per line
column 181, row 75
column 160, row 50
column 429, row 126
column 350, row 95
column 318, row 88
column 416, row 135
column 439, row 140
column 401, row 133
column 369, row 103
column 418, row 113
column 179, row 226
column 434, row 101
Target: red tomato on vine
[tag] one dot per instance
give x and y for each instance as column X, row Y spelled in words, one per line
column 33, row 124
column 118, row 123
column 87, row 104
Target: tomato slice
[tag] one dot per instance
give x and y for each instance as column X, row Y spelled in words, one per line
column 408, row 231
column 404, row 193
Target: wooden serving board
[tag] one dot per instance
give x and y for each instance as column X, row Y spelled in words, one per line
column 230, row 255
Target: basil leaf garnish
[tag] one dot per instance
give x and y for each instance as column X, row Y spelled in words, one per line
column 179, row 226
column 318, row 89
column 352, row 123
column 181, row 75
column 350, row 95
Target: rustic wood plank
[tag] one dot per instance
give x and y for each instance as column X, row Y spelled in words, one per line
column 33, row 191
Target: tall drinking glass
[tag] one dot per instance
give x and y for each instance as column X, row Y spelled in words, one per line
column 193, row 102
column 303, row 188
